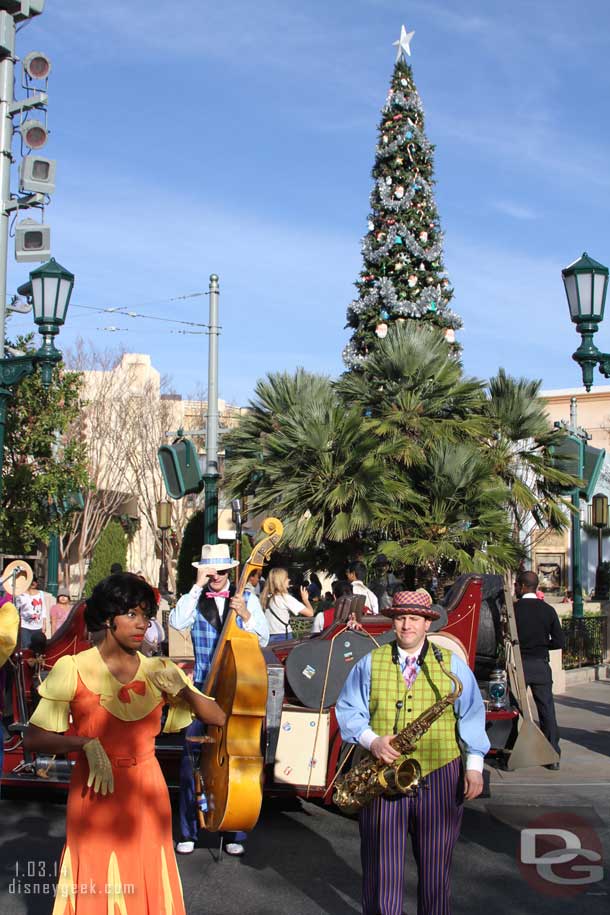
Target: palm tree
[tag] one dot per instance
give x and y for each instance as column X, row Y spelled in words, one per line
column 413, row 392
column 521, row 445
column 313, row 462
column 404, row 449
column 459, row 524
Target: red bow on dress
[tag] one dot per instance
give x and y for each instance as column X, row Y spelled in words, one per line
column 217, row 594
column 138, row 686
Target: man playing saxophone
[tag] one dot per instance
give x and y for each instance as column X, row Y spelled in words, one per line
column 400, row 695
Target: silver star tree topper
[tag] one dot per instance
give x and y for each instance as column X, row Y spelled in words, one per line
column 403, row 44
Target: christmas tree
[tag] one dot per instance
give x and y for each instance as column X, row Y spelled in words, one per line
column 402, row 277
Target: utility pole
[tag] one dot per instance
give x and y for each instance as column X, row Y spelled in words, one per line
column 210, row 516
column 11, row 12
column 7, row 68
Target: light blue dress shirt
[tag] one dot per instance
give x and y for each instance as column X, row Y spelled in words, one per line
column 352, row 710
column 184, row 613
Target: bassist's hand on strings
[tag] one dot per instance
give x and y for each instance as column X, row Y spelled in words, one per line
column 239, row 605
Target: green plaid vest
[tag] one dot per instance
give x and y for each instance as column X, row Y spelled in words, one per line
column 439, row 744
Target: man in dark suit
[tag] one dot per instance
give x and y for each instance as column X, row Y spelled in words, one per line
column 539, row 631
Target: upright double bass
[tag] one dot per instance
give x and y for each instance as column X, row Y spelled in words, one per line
column 232, row 766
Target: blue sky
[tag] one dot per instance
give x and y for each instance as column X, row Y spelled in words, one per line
column 195, row 137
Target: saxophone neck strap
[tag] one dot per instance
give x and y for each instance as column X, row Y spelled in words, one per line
column 422, row 655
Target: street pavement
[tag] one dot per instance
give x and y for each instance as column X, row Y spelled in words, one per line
column 303, row 858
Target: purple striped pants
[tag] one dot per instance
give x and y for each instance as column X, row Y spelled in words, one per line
column 433, row 819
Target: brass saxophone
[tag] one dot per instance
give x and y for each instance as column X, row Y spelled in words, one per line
column 372, row 777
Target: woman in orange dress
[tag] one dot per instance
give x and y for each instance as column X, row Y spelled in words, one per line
column 119, row 856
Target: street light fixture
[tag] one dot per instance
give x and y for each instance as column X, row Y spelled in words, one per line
column 599, row 518
column 49, row 288
column 586, row 284
column 164, row 522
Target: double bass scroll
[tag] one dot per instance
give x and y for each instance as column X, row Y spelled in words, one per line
column 232, row 767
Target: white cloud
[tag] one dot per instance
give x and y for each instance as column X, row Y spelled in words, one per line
column 517, row 211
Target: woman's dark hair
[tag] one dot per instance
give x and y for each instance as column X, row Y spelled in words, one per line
column 114, row 596
column 358, row 569
column 38, row 642
column 341, row 588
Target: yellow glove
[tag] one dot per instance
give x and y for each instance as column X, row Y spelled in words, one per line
column 100, row 768
column 168, row 679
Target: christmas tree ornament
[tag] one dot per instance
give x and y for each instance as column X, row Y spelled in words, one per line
column 371, row 225
column 423, row 236
column 381, row 330
column 412, row 280
column 399, row 160
column 403, row 82
column 384, row 314
column 409, row 135
column 432, row 306
column 388, row 180
column 399, row 192
column 403, row 44
column 449, row 335
column 398, row 240
column 381, row 236
column 385, row 138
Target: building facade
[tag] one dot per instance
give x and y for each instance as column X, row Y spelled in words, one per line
column 551, row 552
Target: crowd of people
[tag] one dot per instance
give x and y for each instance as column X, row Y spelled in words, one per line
column 106, row 705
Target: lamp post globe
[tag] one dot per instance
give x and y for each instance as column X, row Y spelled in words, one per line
column 586, row 284
column 50, row 289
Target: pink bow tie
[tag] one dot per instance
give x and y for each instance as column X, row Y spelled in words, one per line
column 217, row 594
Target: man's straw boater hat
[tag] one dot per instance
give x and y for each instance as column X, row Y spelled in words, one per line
column 415, row 603
column 217, row 556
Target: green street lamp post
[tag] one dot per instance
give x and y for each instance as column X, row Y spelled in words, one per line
column 586, row 284
column 164, row 522
column 53, row 564
column 599, row 518
column 578, row 608
column 49, row 288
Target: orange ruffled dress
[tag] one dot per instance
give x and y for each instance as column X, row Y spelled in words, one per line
column 119, row 857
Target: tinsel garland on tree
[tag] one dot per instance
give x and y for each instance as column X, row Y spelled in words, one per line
column 402, row 277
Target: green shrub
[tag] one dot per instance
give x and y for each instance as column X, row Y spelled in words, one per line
column 110, row 548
